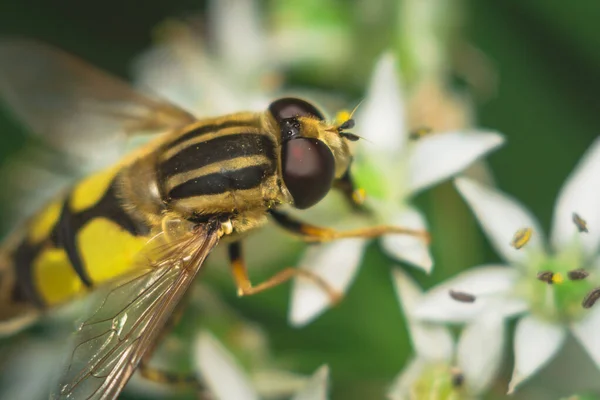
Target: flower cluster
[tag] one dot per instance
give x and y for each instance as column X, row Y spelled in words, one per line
column 551, row 287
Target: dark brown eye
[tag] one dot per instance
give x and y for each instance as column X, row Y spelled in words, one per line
column 308, row 170
column 290, row 107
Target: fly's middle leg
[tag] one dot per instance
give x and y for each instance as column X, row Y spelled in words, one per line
column 246, row 288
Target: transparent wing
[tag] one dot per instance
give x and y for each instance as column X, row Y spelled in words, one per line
column 74, row 106
column 109, row 346
column 81, row 120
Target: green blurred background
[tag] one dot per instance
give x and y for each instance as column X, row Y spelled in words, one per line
column 545, row 54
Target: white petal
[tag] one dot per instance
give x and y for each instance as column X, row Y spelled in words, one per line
column 180, row 71
column 381, row 118
column 401, row 388
column 484, row 283
column 277, row 383
column 438, row 157
column 508, row 305
column 430, row 342
column 337, row 263
column 580, row 194
column 587, row 332
column 501, row 217
column 237, row 34
column 219, row 370
column 169, row 70
column 536, row 342
column 316, row 389
column 480, row 351
column 409, row 248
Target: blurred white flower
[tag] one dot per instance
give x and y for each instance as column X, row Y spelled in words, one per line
column 440, row 369
column 553, row 287
column 226, row 70
column 234, row 64
column 226, row 379
column 392, row 169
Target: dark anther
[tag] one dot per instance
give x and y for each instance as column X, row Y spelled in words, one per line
column 578, row 274
column 462, row 296
column 590, row 299
column 458, row 378
column 545, row 276
column 419, row 133
column 580, row 223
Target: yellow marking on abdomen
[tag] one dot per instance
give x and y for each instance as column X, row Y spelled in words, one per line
column 107, row 250
column 42, row 224
column 89, row 191
column 55, row 277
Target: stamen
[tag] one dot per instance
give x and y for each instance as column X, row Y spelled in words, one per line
column 419, row 133
column 462, row 296
column 558, row 278
column 578, row 274
column 546, row 276
column 590, row 299
column 580, row 223
column 521, row 238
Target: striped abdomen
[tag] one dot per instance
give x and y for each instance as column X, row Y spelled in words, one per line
column 74, row 244
column 222, row 166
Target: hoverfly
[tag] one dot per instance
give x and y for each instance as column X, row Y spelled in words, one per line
column 142, row 228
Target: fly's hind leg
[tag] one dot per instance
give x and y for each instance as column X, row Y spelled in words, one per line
column 246, row 288
column 158, row 375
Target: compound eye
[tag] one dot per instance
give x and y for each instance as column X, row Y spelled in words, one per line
column 308, row 170
column 291, row 107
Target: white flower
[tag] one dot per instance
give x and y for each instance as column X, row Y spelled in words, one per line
column 226, row 380
column 237, row 66
column 227, row 74
column 552, row 309
column 441, row 370
column 391, row 169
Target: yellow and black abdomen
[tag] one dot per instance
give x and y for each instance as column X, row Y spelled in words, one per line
column 74, row 244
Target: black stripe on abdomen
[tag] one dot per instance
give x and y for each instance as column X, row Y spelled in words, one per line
column 221, row 182
column 64, row 235
column 208, row 129
column 65, row 232
column 218, row 149
column 25, row 290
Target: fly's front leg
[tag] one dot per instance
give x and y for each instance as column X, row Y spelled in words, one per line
column 355, row 196
column 313, row 233
column 246, row 288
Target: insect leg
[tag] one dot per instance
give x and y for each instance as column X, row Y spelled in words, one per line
column 246, row 288
column 313, row 233
column 353, row 195
column 165, row 377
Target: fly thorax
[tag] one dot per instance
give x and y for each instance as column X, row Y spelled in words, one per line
column 139, row 189
column 222, row 167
